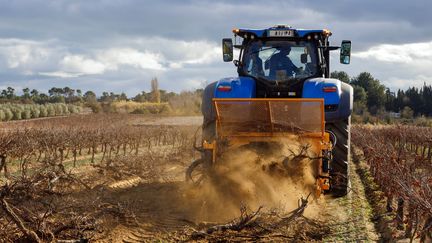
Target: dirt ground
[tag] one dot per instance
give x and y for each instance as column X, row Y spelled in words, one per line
column 168, row 209
column 256, row 194
column 122, row 178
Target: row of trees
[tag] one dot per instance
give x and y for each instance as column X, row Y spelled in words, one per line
column 373, row 97
column 27, row 111
column 186, row 102
column 69, row 95
column 370, row 97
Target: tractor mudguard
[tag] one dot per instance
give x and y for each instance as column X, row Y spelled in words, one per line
column 338, row 96
column 237, row 87
column 207, row 108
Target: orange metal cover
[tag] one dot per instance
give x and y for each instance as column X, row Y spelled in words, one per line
column 269, row 117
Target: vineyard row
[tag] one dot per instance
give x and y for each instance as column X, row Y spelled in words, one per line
column 400, row 161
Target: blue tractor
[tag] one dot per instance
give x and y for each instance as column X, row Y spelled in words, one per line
column 283, row 86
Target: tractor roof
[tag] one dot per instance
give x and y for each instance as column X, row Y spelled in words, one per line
column 279, row 31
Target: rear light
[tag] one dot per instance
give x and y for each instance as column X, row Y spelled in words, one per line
column 224, row 88
column 330, row 89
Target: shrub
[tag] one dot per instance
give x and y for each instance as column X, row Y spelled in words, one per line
column 43, row 111
column 138, row 107
column 186, row 103
column 95, row 107
column 51, row 111
column 35, row 112
column 16, row 114
column 73, row 109
column 407, row 113
column 64, row 109
column 8, row 114
column 2, row 115
column 28, row 111
column 58, row 109
column 26, row 114
column 140, row 110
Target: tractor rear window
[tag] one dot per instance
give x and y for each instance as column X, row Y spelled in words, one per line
column 280, row 60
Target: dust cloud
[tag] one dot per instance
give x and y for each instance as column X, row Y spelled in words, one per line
column 274, row 175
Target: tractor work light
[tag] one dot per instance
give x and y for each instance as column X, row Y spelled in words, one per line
column 327, row 32
column 329, row 89
column 224, row 88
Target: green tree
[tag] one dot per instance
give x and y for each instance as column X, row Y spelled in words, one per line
column 390, row 102
column 143, row 97
column 34, row 95
column 107, row 97
column 360, row 100
column 360, row 94
column 415, row 100
column 89, row 97
column 8, row 93
column 341, row 75
column 26, row 93
column 375, row 91
column 427, row 99
column 123, row 96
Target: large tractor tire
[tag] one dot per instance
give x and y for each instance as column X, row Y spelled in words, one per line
column 339, row 182
column 209, row 113
column 201, row 168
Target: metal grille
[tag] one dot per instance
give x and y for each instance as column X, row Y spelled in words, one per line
column 269, row 117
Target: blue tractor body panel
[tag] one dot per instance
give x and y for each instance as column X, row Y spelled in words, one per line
column 338, row 96
column 237, row 87
column 338, row 102
column 314, row 88
column 245, row 87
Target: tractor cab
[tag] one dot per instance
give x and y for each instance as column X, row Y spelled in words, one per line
column 281, row 58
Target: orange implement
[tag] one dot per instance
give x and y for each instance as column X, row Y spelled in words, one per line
column 243, row 121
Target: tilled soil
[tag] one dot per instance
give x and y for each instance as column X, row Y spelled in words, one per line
column 163, row 211
column 167, row 210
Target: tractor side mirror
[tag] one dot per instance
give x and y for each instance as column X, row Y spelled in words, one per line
column 345, row 52
column 227, row 49
column 303, row 58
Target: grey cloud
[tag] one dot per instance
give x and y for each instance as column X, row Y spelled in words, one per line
column 83, row 29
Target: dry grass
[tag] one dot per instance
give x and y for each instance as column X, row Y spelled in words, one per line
column 141, row 107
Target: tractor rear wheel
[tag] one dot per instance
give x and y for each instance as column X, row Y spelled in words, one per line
column 339, row 182
column 209, row 113
column 201, row 168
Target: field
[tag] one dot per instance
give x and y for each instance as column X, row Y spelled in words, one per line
column 121, row 178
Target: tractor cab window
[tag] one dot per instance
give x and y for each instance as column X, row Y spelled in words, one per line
column 280, row 60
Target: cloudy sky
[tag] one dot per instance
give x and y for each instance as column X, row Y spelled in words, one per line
column 119, row 45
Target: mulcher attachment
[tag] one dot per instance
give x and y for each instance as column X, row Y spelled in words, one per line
column 243, row 121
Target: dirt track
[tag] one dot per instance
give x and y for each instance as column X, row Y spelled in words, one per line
column 168, row 210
